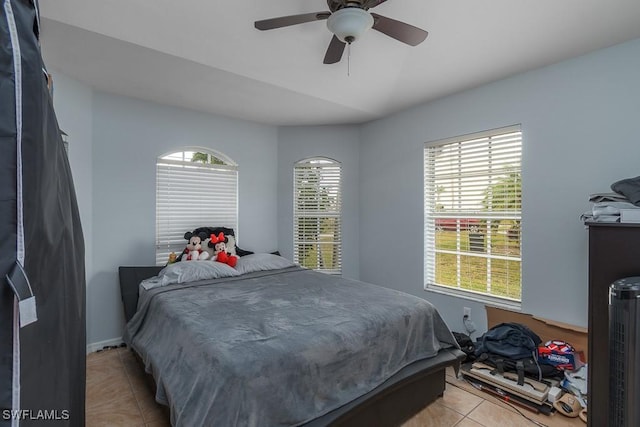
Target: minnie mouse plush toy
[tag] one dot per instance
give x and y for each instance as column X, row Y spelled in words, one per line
column 220, row 254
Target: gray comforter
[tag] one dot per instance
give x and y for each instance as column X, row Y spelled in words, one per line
column 277, row 348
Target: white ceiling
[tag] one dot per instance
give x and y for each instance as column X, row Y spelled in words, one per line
column 207, row 55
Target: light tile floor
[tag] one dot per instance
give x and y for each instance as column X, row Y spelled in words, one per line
column 119, row 394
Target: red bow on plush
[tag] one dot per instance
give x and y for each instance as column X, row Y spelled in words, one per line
column 219, row 238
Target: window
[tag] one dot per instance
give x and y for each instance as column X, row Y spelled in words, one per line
column 317, row 205
column 473, row 215
column 194, row 188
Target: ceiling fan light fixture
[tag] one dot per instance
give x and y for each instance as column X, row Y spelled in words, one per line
column 349, row 23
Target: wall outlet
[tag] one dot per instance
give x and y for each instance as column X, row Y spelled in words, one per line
column 466, row 311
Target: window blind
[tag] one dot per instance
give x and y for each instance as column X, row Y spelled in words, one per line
column 317, row 211
column 473, row 214
column 189, row 195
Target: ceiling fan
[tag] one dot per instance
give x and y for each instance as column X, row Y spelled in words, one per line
column 348, row 20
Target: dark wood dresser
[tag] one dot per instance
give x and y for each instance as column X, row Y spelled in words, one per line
column 614, row 253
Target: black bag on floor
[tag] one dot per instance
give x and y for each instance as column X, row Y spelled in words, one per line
column 513, row 347
column 466, row 345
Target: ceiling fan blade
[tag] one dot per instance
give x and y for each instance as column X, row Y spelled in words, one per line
column 399, row 30
column 285, row 21
column 334, row 51
column 368, row 4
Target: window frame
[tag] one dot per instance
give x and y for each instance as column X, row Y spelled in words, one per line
column 170, row 220
column 461, row 219
column 336, row 213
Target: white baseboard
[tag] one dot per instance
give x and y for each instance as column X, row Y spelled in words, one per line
column 101, row 344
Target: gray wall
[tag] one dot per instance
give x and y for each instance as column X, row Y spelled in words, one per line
column 339, row 143
column 114, row 143
column 580, row 134
column 578, row 119
column 128, row 136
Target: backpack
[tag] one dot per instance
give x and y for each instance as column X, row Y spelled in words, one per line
column 513, row 347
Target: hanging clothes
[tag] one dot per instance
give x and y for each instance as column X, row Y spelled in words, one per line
column 42, row 278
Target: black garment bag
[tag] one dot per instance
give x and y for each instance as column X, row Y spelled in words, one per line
column 42, row 278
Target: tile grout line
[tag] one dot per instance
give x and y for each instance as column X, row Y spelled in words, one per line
column 482, row 399
column 110, row 364
column 144, row 422
column 469, row 419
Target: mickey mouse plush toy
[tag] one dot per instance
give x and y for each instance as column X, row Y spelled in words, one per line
column 220, row 254
column 194, row 251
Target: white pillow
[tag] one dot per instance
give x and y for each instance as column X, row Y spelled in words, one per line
column 262, row 261
column 189, row 271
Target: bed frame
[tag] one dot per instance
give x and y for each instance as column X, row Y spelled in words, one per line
column 390, row 404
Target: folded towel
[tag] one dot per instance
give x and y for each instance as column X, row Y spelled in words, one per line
column 611, row 208
column 630, row 188
column 607, row 197
column 588, row 217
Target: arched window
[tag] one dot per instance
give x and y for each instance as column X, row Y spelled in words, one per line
column 195, row 187
column 317, row 211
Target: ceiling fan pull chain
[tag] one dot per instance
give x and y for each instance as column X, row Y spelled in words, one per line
column 348, row 59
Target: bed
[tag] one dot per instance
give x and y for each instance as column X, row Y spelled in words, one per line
column 269, row 343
